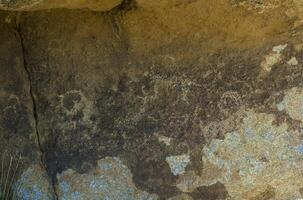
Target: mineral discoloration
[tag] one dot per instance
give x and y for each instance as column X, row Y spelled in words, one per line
column 273, row 58
column 165, row 140
column 110, row 180
column 293, row 61
column 123, row 101
column 173, row 88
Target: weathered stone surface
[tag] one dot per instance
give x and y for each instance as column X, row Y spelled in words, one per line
column 16, row 116
column 179, row 99
column 111, row 180
column 178, row 163
column 30, row 5
column 292, row 103
column 18, row 137
column 34, row 184
column 181, row 197
column 251, row 157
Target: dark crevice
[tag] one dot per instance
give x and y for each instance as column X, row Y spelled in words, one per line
column 127, row 5
column 18, row 34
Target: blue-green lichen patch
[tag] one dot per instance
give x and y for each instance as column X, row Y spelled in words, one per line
column 34, row 184
column 251, row 158
column 109, row 181
column 178, row 163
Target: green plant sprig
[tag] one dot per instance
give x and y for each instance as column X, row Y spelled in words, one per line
column 9, row 168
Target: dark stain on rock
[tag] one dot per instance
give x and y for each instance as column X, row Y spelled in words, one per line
column 70, row 100
column 174, row 99
column 147, row 125
column 214, row 192
column 150, row 171
column 14, row 86
column 77, row 143
column 15, row 119
column 80, row 149
column 164, row 101
column 59, row 158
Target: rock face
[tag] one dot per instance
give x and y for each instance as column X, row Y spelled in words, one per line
column 195, row 99
column 30, row 5
column 18, row 134
column 111, row 180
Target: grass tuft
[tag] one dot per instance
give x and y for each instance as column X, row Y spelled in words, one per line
column 8, row 171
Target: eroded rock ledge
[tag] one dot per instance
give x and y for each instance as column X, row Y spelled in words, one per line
column 195, row 99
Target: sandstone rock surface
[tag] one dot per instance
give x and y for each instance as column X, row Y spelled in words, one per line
column 30, row 5
column 18, row 131
column 163, row 99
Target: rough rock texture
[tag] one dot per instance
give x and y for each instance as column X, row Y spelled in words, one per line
column 29, row 5
column 111, row 180
column 34, row 184
column 18, row 135
column 249, row 159
column 163, row 99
